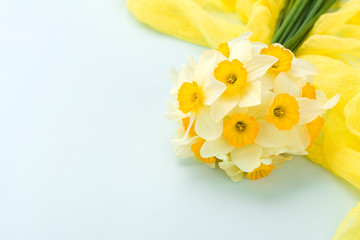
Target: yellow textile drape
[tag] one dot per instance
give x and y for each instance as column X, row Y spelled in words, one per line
column 333, row 46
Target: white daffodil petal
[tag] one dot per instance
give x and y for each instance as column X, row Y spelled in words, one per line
column 206, row 127
column 219, row 56
column 184, row 75
column 247, row 158
column 320, row 95
column 241, row 49
column 245, row 35
column 181, row 146
column 258, row 66
column 219, row 146
column 284, row 84
column 279, row 160
column 332, row 102
column 174, row 76
column 235, row 173
column 213, row 90
column 222, row 106
column 222, row 157
column 238, row 110
column 298, row 138
column 259, row 111
column 251, row 95
column 172, row 107
column 269, row 136
column 205, row 68
column 266, row 161
column 236, row 178
column 268, row 152
column 258, row 46
column 301, row 67
column 267, row 81
column 174, row 92
column 309, row 109
column 182, row 151
column 175, row 116
column 179, row 133
column 191, row 65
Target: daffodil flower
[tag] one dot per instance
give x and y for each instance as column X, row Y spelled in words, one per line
column 196, row 89
column 239, row 69
column 310, row 109
column 289, row 74
column 239, row 141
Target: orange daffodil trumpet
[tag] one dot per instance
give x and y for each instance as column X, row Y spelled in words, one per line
column 245, row 107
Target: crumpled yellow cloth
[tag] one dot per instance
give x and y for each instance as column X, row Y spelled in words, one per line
column 349, row 228
column 209, row 22
column 333, row 46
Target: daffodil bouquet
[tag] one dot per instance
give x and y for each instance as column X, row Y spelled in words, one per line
column 248, row 106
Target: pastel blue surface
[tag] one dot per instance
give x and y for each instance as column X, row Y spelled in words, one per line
column 84, row 145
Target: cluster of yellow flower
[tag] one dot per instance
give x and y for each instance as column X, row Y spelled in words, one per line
column 246, row 106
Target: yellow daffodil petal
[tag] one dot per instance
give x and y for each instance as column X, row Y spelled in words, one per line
column 283, row 55
column 314, row 128
column 241, row 130
column 284, row 112
column 233, row 75
column 224, row 49
column 261, row 172
column 308, row 91
column 190, row 97
column 195, row 148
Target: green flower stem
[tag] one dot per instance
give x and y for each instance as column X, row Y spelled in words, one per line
column 300, row 41
column 299, row 13
column 281, row 16
column 298, row 23
column 315, row 8
column 290, row 19
column 289, row 7
column 293, row 41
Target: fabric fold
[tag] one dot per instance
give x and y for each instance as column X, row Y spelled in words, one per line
column 209, row 22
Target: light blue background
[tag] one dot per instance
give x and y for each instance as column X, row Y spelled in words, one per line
column 84, row 146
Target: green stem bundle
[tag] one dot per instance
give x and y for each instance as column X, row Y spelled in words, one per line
column 296, row 20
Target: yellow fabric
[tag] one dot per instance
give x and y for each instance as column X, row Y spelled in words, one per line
column 209, row 22
column 333, row 46
column 349, row 228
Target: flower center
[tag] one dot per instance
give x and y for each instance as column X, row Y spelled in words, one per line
column 279, row 112
column 231, row 78
column 276, row 65
column 233, row 74
column 240, row 126
column 240, row 130
column 195, row 97
column 284, row 112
